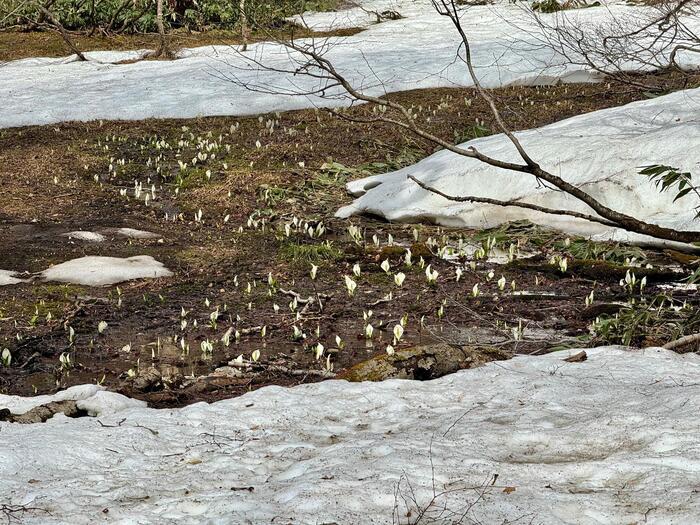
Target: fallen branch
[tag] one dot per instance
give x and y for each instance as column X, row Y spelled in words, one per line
column 282, row 369
column 683, row 341
column 49, row 16
column 518, row 204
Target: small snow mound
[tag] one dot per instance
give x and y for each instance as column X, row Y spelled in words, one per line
column 600, row 152
column 20, row 405
column 103, row 271
column 94, row 399
column 85, row 236
column 104, row 403
column 8, row 277
column 137, row 234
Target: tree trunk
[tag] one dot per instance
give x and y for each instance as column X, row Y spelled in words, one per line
column 244, row 25
column 161, row 28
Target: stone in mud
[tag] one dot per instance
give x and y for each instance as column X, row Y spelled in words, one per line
column 148, row 380
column 171, row 376
column 42, row 413
column 424, row 362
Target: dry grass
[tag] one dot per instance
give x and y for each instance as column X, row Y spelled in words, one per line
column 15, row 45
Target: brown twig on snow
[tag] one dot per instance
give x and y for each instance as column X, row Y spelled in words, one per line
column 683, row 341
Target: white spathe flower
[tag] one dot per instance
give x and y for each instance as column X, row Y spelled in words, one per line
column 398, row 332
column 369, row 331
column 563, row 264
column 226, row 338
column 502, row 283
column 385, row 265
column 475, row 290
column 458, row 273
column 319, row 351
column 399, row 278
column 490, row 275
column 314, row 271
column 350, row 285
column 390, row 350
column 102, row 326
column 356, row 270
column 431, row 274
column 255, row 355
column 297, row 333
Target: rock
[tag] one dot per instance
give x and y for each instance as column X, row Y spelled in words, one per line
column 227, row 371
column 171, row 376
column 148, row 380
column 423, row 362
column 42, row 413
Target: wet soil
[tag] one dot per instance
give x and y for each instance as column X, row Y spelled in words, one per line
column 261, row 184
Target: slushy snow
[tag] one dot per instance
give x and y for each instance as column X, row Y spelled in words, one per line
column 613, row 439
column 417, row 51
column 8, row 277
column 85, row 236
column 137, row 234
column 103, row 271
column 600, row 152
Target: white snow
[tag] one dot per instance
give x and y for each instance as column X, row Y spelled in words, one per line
column 93, row 399
column 417, row 51
column 609, row 440
column 359, row 13
column 103, row 271
column 137, row 234
column 85, row 236
column 8, row 277
column 600, row 152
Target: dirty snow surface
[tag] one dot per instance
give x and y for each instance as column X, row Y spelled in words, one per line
column 532, row 440
column 417, row 51
column 8, row 277
column 600, row 152
column 102, row 271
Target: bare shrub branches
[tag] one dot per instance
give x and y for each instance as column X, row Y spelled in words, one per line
column 646, row 40
column 309, row 59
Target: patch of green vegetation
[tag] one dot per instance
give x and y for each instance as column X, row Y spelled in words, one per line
column 473, row 132
column 139, row 16
column 300, row 253
column 648, row 323
column 272, row 195
column 547, row 6
column 601, row 251
column 521, row 232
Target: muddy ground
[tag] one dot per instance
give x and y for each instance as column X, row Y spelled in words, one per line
column 261, row 184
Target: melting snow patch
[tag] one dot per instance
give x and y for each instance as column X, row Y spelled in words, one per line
column 600, row 152
column 137, row 234
column 102, row 271
column 85, row 236
column 8, row 277
column 609, row 440
column 416, row 52
column 91, row 398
